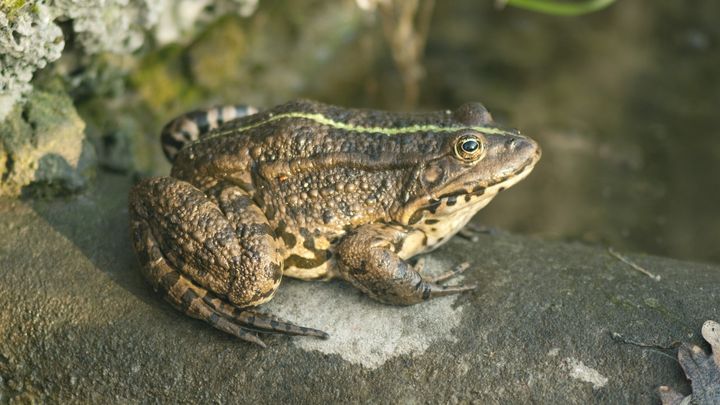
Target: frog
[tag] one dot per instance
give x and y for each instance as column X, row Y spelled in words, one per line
column 314, row 191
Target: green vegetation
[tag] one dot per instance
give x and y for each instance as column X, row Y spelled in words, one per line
column 564, row 8
column 11, row 7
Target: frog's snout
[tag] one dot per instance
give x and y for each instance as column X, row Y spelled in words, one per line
column 523, row 147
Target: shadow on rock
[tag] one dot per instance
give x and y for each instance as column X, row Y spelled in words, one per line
column 96, row 222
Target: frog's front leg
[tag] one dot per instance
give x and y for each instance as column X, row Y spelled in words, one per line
column 367, row 258
column 212, row 255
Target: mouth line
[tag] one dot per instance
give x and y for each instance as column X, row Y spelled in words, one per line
column 476, row 190
column 471, row 190
column 518, row 174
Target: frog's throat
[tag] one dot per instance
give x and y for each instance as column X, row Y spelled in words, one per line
column 322, row 119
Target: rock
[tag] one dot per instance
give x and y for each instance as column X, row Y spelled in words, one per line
column 116, row 26
column 181, row 18
column 43, row 148
column 160, row 81
column 217, row 55
column 552, row 322
column 31, row 37
column 29, row 40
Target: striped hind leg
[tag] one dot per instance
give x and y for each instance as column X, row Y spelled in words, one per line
column 178, row 290
column 211, row 255
column 198, row 303
column 190, row 126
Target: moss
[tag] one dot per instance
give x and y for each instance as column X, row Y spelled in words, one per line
column 216, row 56
column 164, row 89
column 11, row 7
column 162, row 83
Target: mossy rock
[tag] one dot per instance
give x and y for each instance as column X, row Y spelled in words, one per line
column 43, row 149
column 162, row 81
column 216, row 57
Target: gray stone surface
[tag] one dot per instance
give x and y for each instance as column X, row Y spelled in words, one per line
column 552, row 322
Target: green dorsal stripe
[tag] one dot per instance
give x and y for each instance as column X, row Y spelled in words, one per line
column 321, row 119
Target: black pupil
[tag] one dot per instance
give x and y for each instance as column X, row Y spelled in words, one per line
column 470, row 145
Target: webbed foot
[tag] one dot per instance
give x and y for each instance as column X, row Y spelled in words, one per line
column 262, row 322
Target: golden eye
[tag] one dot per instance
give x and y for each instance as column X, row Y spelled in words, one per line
column 469, row 148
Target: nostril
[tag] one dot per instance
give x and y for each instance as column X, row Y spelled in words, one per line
column 511, row 143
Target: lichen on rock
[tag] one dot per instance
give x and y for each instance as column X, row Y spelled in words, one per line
column 29, row 40
column 116, row 26
column 180, row 18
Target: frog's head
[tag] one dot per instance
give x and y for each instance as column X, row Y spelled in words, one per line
column 475, row 163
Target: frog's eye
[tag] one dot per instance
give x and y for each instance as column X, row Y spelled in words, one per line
column 469, row 148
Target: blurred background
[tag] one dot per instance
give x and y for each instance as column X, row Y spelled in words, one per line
column 623, row 100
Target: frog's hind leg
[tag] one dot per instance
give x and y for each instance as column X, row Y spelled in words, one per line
column 190, row 126
column 178, row 290
column 198, row 303
column 206, row 266
column 247, row 218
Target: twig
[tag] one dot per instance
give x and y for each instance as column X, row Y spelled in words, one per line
column 623, row 339
column 633, row 265
column 406, row 24
column 656, row 347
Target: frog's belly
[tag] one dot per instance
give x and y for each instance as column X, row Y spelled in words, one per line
column 324, row 271
column 309, row 260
